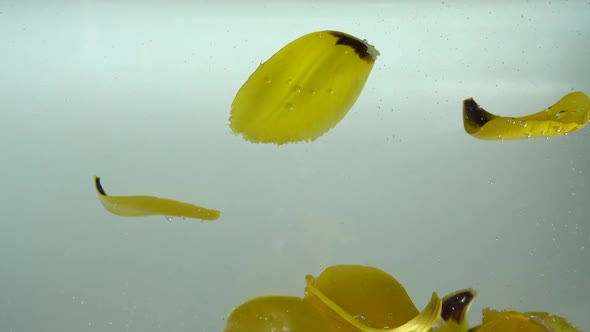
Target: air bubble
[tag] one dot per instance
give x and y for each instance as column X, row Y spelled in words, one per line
column 289, row 107
column 560, row 113
column 330, row 91
column 362, row 319
column 297, row 89
column 523, row 123
column 512, row 121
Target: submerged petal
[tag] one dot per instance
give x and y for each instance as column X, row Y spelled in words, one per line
column 137, row 206
column 345, row 298
column 369, row 299
column 570, row 113
column 366, row 292
column 455, row 311
column 303, row 90
column 352, row 298
column 508, row 321
column 277, row 313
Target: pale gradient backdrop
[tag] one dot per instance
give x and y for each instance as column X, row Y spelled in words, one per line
column 139, row 93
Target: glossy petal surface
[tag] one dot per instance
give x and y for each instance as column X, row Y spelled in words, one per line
column 304, row 90
column 138, row 206
column 569, row 114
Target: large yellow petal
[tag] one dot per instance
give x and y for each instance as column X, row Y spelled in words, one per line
column 304, row 90
column 369, row 299
column 137, row 206
column 570, row 113
column 367, row 292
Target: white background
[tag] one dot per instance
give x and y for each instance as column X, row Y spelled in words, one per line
column 139, row 93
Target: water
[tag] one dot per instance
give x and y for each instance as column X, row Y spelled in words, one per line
column 140, row 95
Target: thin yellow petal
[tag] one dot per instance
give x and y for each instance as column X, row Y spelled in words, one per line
column 425, row 319
column 137, row 206
column 304, row 90
column 570, row 113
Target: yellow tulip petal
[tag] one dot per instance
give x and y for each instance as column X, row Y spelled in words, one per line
column 570, row 113
column 304, row 90
column 425, row 319
column 455, row 307
column 551, row 322
column 137, row 206
column 510, row 322
column 277, row 313
column 455, row 311
column 514, row 321
column 369, row 300
column 366, row 291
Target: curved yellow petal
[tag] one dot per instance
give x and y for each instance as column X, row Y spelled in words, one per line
column 509, row 321
column 136, row 206
column 366, row 291
column 570, row 113
column 425, row 319
column 304, row 90
column 277, row 313
column 455, row 311
column 369, row 299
